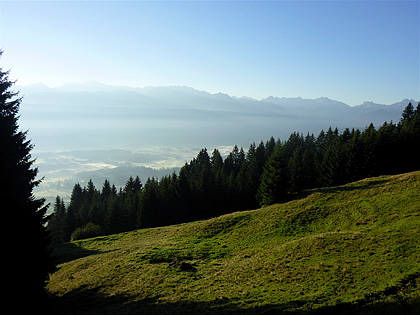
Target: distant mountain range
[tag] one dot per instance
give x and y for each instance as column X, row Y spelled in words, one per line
column 95, row 116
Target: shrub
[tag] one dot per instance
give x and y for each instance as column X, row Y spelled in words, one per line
column 89, row 230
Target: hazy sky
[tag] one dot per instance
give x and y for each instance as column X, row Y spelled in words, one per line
column 351, row 51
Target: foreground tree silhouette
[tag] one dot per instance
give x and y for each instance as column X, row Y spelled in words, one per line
column 28, row 256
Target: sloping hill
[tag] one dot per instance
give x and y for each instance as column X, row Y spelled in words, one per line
column 347, row 249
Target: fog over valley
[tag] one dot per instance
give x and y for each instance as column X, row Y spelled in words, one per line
column 99, row 116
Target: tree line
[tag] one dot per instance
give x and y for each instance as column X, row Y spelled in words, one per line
column 270, row 172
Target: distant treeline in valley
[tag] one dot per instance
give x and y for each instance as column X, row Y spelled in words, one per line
column 267, row 173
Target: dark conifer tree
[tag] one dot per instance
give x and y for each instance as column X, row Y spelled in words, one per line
column 57, row 222
column 216, row 161
column 29, row 257
column 148, row 215
column 308, row 162
column 106, row 190
column 260, row 157
column 275, row 178
column 368, row 145
column 73, row 210
column 90, row 190
column 249, row 178
column 129, row 186
column 409, row 135
column 137, row 185
column 408, row 113
column 295, row 169
column 269, row 147
column 218, row 179
column 112, row 217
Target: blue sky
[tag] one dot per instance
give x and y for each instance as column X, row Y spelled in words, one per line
column 346, row 50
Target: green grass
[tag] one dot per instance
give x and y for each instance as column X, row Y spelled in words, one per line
column 353, row 248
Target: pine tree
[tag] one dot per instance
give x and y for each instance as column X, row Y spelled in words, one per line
column 409, row 136
column 137, row 185
column 106, row 190
column 274, row 180
column 57, row 222
column 269, row 148
column 73, row 211
column 21, row 208
column 91, row 190
column 129, row 186
column 216, row 161
column 218, row 179
column 408, row 113
column 260, row 156
column 308, row 162
column 148, row 215
column 111, row 219
column 295, row 166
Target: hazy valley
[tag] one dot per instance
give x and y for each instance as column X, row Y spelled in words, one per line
column 96, row 131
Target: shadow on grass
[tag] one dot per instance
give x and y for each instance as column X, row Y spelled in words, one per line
column 68, row 251
column 359, row 186
column 354, row 187
column 85, row 301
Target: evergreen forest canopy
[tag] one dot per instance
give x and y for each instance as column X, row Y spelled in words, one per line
column 267, row 173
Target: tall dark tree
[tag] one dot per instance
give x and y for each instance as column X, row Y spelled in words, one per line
column 408, row 113
column 216, row 161
column 106, row 190
column 29, row 257
column 274, row 179
column 57, row 222
column 73, row 210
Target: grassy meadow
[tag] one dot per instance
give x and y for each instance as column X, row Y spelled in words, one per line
column 346, row 249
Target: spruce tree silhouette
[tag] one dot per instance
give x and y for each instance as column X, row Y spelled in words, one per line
column 26, row 251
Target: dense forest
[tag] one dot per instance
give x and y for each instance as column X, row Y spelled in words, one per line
column 266, row 173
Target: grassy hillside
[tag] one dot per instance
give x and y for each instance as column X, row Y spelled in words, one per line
column 352, row 248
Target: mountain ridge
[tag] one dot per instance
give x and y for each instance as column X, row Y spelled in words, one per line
column 168, row 116
column 95, row 87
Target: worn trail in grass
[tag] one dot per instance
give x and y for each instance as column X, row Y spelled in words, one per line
column 352, row 248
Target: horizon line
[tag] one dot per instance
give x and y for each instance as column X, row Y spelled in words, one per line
column 134, row 87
